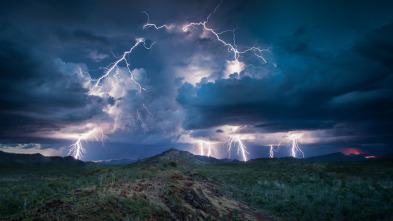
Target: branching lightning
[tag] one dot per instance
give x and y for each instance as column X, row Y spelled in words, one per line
column 150, row 25
column 77, row 150
column 206, row 147
column 235, row 141
column 271, row 151
column 124, row 58
column 293, row 142
column 231, row 46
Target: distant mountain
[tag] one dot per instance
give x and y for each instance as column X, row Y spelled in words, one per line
column 36, row 159
column 173, row 155
column 215, row 160
column 335, row 157
column 114, row 162
column 388, row 157
column 290, row 159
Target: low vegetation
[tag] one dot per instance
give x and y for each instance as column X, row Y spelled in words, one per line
column 309, row 191
column 148, row 190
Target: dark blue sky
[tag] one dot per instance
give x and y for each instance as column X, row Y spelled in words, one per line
column 328, row 77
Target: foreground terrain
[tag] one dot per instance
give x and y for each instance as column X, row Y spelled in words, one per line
column 177, row 186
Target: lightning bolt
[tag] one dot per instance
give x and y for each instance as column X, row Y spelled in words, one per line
column 148, row 111
column 115, row 65
column 208, row 146
column 145, row 128
column 77, row 150
column 235, row 141
column 271, row 153
column 150, row 25
column 231, row 46
column 201, row 148
column 293, row 142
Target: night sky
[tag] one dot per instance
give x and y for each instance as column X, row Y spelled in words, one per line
column 328, row 77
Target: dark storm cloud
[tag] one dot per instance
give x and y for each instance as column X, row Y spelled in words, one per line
column 334, row 67
column 82, row 36
column 316, row 89
column 42, row 41
column 34, row 94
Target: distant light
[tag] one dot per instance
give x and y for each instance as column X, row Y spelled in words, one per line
column 351, row 150
column 370, row 157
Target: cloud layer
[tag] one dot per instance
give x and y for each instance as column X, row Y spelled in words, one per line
column 328, row 77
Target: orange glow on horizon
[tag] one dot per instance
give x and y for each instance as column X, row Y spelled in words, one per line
column 370, row 157
column 351, row 150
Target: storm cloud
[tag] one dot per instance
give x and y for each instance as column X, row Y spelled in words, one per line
column 329, row 73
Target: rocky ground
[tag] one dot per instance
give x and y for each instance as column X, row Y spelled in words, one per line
column 170, row 195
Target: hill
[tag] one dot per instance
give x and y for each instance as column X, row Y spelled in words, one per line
column 169, row 195
column 173, row 155
column 36, row 159
column 176, row 185
column 114, row 162
column 215, row 160
column 335, row 157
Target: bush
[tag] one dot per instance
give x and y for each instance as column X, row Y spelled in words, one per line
column 173, row 164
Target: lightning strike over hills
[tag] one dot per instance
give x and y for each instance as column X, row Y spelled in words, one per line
column 235, row 141
column 206, row 147
column 76, row 149
column 130, row 108
column 294, row 144
column 271, row 149
column 271, row 154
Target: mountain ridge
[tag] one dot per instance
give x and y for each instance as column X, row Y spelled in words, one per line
column 36, row 159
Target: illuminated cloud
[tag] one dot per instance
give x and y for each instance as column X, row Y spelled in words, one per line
column 31, row 148
column 232, row 67
column 333, row 88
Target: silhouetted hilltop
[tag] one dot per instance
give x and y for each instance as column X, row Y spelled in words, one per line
column 114, row 162
column 215, row 160
column 387, row 157
column 335, row 157
column 36, row 159
column 173, row 155
column 290, row 159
